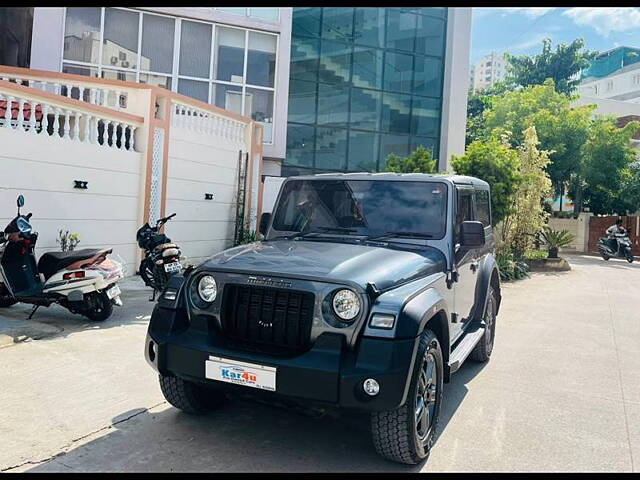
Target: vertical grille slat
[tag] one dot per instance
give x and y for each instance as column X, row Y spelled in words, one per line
column 265, row 316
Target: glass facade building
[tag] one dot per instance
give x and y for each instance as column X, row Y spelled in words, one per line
column 364, row 83
column 228, row 66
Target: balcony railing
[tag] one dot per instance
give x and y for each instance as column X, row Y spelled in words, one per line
column 36, row 112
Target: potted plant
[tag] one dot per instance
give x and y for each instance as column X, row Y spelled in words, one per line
column 555, row 240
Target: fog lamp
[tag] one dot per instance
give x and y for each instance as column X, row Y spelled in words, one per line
column 371, row 387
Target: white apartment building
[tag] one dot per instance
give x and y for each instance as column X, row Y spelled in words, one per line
column 488, row 70
column 613, row 75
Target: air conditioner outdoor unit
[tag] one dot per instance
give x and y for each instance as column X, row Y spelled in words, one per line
column 125, row 64
column 114, row 60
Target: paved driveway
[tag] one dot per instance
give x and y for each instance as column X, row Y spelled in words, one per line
column 561, row 393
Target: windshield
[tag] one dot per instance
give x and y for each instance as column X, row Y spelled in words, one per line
column 363, row 207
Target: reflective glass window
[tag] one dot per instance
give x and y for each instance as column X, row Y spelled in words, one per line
column 306, row 21
column 363, row 151
column 401, row 30
column 120, row 43
column 228, row 97
column 368, row 28
column 331, row 148
column 333, row 105
column 430, row 36
column 259, row 106
column 396, row 110
column 229, row 57
column 367, row 67
column 335, row 62
column 300, row 145
column 194, row 89
column 302, row 101
column 337, row 23
column 261, row 59
column 82, row 34
column 195, row 49
column 366, row 109
column 425, row 116
column 398, row 144
column 398, row 71
column 427, row 77
column 157, row 43
column 305, row 54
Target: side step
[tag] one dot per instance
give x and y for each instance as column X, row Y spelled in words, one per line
column 464, row 348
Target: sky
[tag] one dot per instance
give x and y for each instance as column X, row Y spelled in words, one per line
column 520, row 30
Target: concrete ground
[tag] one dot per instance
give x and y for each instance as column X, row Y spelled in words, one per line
column 561, row 393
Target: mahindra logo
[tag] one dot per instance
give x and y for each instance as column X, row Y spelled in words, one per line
column 268, row 282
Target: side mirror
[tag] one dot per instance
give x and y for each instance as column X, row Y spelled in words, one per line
column 472, row 234
column 20, row 201
column 265, row 218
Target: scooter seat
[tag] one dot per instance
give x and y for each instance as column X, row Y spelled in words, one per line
column 52, row 262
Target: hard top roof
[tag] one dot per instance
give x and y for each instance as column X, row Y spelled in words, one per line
column 416, row 177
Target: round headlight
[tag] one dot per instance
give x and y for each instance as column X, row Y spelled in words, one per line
column 346, row 304
column 207, row 288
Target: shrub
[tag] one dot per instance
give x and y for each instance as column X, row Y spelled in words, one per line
column 555, row 239
column 509, row 267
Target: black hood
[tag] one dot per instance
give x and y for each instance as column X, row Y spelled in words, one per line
column 329, row 261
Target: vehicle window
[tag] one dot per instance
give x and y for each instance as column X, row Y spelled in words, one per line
column 465, row 207
column 483, row 207
column 363, row 207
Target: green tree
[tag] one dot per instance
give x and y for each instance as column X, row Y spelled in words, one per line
column 418, row 161
column 527, row 216
column 562, row 65
column 562, row 130
column 608, row 167
column 477, row 103
column 495, row 162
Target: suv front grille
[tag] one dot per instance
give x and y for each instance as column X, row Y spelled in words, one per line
column 267, row 317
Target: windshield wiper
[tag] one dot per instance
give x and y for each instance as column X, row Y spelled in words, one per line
column 336, row 229
column 401, row 235
column 318, row 231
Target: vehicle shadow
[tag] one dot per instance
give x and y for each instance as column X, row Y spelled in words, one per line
column 56, row 321
column 243, row 436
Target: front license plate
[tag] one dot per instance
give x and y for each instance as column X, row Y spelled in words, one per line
column 172, row 267
column 113, row 292
column 240, row 373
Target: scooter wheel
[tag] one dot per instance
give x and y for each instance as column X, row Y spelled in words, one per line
column 629, row 258
column 100, row 307
column 604, row 256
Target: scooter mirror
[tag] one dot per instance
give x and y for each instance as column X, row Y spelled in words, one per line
column 20, row 201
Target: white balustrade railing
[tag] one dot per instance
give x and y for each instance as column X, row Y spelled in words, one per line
column 104, row 96
column 207, row 122
column 20, row 113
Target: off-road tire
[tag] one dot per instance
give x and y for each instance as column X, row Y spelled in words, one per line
column 100, row 307
column 6, row 300
column 394, row 431
column 482, row 351
column 190, row 397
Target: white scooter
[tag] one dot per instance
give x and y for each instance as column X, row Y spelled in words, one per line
column 83, row 281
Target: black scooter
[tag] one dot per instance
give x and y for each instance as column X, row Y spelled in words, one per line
column 83, row 281
column 623, row 250
column 161, row 257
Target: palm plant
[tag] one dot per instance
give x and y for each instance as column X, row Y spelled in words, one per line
column 555, row 239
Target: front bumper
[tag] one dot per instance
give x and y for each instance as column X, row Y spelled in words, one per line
column 328, row 373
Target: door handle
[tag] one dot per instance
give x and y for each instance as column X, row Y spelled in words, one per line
column 474, row 266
